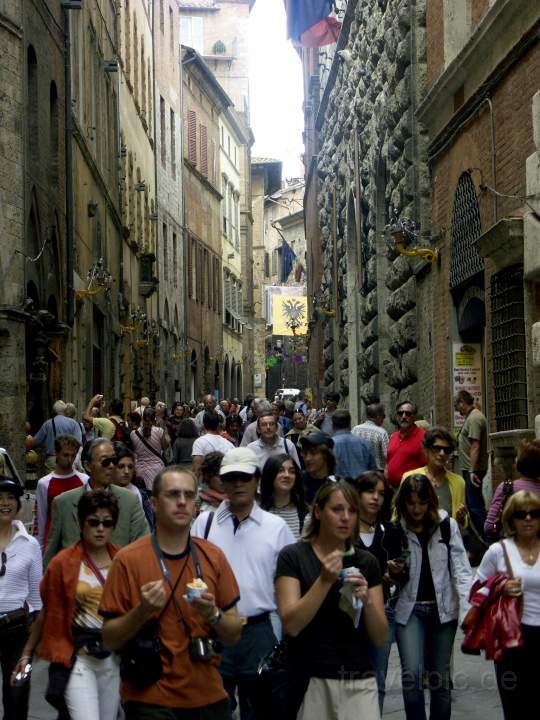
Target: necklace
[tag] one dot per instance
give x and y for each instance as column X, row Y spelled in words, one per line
column 371, row 526
column 529, row 556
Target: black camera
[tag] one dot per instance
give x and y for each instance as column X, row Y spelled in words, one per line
column 204, row 649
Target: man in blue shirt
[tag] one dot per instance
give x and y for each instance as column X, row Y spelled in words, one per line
column 59, row 424
column 353, row 454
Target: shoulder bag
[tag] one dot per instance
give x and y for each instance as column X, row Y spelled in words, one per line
column 149, row 447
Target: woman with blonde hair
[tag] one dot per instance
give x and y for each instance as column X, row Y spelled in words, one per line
column 331, row 605
column 517, row 672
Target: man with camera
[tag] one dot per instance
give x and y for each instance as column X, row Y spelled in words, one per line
column 184, row 589
column 251, row 539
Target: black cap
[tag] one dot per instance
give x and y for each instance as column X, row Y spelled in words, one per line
column 317, row 438
column 11, row 486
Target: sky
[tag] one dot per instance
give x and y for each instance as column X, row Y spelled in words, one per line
column 275, row 87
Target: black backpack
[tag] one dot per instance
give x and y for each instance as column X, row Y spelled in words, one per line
column 121, row 432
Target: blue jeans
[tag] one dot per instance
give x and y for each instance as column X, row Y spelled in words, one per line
column 380, row 655
column 425, row 645
column 475, row 501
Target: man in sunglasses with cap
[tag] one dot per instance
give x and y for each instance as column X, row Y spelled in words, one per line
column 251, row 540
column 406, row 447
column 98, row 459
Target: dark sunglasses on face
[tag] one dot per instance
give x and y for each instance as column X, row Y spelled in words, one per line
column 407, row 413
column 441, row 448
column 3, row 568
column 95, row 522
column 523, row 514
column 109, row 461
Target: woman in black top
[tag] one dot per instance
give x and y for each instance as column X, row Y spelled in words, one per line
column 330, row 633
column 388, row 544
column 185, row 437
column 282, row 491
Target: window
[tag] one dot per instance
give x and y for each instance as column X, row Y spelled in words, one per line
column 266, row 265
column 204, row 150
column 173, row 143
column 192, row 137
column 171, row 24
column 175, row 259
column 165, row 254
column 53, row 133
column 191, row 33
column 162, row 131
column 161, row 17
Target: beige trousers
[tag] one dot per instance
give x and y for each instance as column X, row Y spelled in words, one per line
column 340, row 700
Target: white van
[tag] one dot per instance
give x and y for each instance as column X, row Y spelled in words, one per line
column 287, row 393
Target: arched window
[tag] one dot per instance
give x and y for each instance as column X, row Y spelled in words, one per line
column 53, row 133
column 466, row 262
column 32, row 102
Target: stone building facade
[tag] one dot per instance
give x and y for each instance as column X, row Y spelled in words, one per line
column 364, row 162
column 169, row 221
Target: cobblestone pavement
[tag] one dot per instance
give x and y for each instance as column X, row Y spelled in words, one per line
column 475, row 695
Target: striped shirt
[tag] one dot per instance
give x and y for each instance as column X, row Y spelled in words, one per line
column 377, row 437
column 24, row 569
column 289, row 513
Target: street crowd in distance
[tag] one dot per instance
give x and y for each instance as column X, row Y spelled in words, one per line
column 258, row 559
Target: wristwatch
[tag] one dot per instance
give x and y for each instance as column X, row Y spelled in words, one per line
column 216, row 617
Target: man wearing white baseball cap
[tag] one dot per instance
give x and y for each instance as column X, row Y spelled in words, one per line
column 251, row 540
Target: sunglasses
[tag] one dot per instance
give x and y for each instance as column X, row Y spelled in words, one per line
column 407, row 413
column 441, row 448
column 95, row 522
column 523, row 514
column 109, row 461
column 3, row 568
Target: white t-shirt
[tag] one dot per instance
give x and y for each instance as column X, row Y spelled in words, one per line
column 211, row 443
column 494, row 562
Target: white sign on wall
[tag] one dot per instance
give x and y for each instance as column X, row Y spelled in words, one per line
column 467, row 374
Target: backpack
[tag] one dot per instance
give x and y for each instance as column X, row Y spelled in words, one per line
column 121, row 432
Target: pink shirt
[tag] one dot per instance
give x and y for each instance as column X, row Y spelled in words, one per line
column 497, row 503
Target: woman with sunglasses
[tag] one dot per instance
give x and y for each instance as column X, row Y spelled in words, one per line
column 282, row 491
column 517, row 673
column 20, row 573
column 69, row 627
column 329, row 638
column 439, row 445
column 434, row 598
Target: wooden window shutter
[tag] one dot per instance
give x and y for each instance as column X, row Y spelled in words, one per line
column 213, row 158
column 204, row 150
column 190, row 267
column 192, row 136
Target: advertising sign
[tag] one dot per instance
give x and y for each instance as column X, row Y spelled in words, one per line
column 467, row 374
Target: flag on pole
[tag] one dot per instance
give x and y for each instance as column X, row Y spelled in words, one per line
column 309, row 24
column 288, row 256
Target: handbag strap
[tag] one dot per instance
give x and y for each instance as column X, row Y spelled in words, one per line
column 507, row 560
column 97, row 572
column 147, row 445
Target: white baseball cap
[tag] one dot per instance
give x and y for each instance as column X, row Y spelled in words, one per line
column 239, row 460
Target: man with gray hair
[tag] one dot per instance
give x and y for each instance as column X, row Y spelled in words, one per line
column 373, row 431
column 99, row 460
column 259, row 406
column 59, row 424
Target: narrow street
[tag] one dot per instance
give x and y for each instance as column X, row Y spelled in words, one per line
column 475, row 695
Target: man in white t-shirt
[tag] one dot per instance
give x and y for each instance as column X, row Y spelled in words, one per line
column 211, row 441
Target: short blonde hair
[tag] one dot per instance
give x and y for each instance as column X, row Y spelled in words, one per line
column 518, row 501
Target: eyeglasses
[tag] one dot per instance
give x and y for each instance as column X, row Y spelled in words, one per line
column 187, row 495
column 109, row 461
column 523, row 514
column 407, row 413
column 96, row 522
column 4, row 562
column 441, row 448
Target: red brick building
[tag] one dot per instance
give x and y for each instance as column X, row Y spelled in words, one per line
column 482, row 116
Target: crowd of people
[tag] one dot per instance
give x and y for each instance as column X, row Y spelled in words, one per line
column 178, row 555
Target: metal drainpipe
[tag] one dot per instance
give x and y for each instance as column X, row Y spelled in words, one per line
column 493, row 155
column 70, row 249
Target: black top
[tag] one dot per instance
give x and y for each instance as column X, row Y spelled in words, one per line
column 329, row 645
column 311, row 485
column 389, row 542
column 426, row 589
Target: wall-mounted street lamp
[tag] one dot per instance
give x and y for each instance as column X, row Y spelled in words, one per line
column 99, row 280
column 403, row 233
